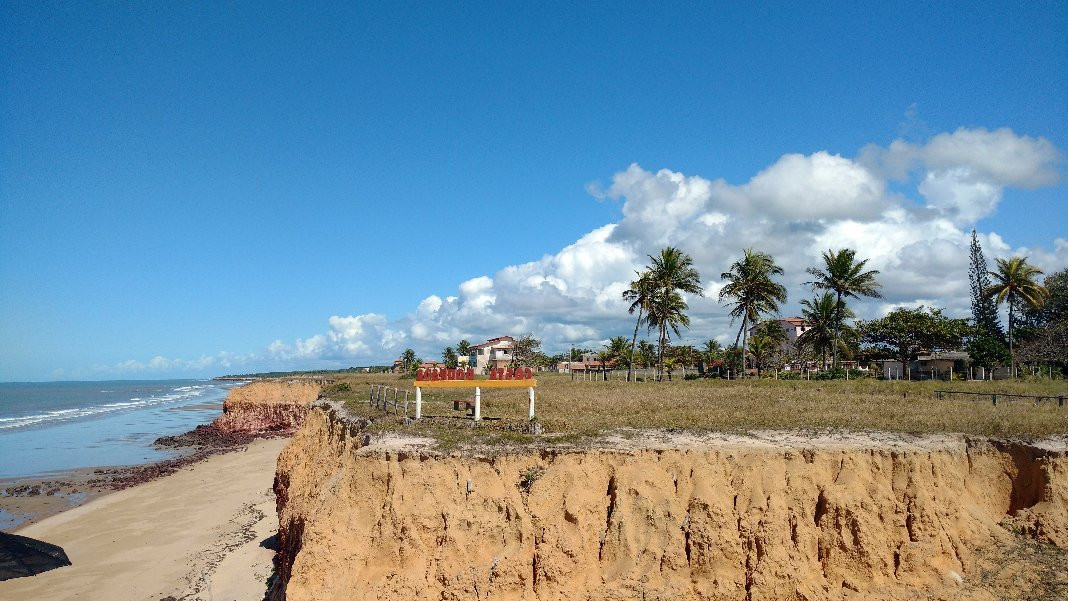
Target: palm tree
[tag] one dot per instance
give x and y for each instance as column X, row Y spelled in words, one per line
column 448, row 356
column 773, row 330
column 666, row 313
column 749, row 283
column 685, row 357
column 669, row 365
column 463, row 348
column 1014, row 283
column 847, row 279
column 604, row 357
column 619, row 349
column 710, row 353
column 408, row 359
column 671, row 273
column 822, row 315
column 639, row 294
column 761, row 347
column 647, row 352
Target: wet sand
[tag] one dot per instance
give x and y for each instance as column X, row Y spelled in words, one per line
column 203, row 531
column 24, row 501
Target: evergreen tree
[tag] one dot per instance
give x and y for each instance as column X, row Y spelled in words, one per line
column 984, row 309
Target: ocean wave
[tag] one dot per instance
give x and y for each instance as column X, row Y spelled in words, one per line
column 65, row 415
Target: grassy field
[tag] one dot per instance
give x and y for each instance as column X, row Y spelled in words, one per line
column 576, row 411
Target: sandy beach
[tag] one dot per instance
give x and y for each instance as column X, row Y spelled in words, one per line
column 203, row 532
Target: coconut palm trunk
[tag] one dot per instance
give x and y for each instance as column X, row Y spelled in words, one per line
column 837, row 331
column 660, row 352
column 745, row 341
column 633, row 342
column 1012, row 355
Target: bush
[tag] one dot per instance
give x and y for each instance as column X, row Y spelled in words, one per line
column 529, row 477
column 336, row 388
column 839, row 373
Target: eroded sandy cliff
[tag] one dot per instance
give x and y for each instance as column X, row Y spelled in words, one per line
column 270, row 405
column 721, row 518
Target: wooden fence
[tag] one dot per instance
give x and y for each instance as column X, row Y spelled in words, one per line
column 994, row 396
column 380, row 399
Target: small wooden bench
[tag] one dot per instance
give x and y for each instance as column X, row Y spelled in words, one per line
column 464, row 405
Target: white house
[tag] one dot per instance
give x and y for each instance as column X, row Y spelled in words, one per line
column 794, row 326
column 495, row 352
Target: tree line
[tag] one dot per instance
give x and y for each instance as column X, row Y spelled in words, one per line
column 1036, row 332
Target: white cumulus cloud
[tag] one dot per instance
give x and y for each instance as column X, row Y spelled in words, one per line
column 916, row 234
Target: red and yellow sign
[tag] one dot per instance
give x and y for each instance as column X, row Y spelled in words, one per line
column 499, row 377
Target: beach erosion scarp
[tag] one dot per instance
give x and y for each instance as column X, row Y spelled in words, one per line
column 268, row 406
column 864, row 516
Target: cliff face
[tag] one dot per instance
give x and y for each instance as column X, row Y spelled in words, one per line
column 733, row 519
column 272, row 405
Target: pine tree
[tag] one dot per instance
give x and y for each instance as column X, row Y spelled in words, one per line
column 984, row 310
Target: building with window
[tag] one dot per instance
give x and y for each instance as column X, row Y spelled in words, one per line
column 495, row 352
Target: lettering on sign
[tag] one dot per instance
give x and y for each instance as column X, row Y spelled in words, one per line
column 434, row 374
column 519, row 373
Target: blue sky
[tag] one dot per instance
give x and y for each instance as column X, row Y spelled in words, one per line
column 196, row 189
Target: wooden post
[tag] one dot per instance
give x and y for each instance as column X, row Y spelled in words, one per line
column 418, row 402
column 478, row 403
column 530, row 392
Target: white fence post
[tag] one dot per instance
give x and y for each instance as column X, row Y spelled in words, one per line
column 530, row 391
column 478, row 403
column 418, row 402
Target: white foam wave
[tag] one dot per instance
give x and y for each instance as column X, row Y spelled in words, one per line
column 63, row 415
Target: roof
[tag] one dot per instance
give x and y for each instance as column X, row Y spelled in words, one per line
column 493, row 341
column 946, row 356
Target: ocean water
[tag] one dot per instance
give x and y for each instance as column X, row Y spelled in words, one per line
column 54, row 426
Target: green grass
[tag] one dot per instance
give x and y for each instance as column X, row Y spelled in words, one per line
column 572, row 412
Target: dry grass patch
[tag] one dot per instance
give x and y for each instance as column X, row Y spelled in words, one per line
column 573, row 411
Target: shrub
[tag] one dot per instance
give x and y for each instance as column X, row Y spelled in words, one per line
column 529, row 477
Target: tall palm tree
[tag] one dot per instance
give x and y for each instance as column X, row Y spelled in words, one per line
column 821, row 315
column 667, row 314
column 847, row 279
column 671, row 273
column 750, row 284
column 639, row 294
column 1014, row 283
